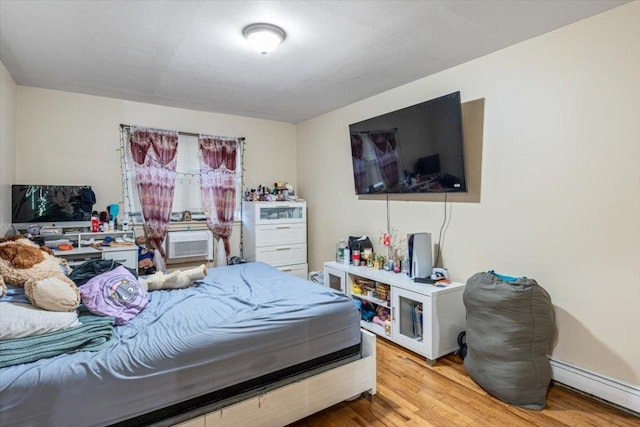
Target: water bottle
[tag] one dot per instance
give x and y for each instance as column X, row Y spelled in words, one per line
column 347, row 255
column 340, row 250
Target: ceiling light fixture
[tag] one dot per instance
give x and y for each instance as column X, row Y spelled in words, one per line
column 264, row 38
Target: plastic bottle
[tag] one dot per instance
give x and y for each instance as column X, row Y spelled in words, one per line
column 347, row 255
column 356, row 257
column 340, row 250
column 95, row 222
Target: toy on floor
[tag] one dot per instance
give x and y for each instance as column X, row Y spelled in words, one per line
column 175, row 280
column 145, row 257
column 43, row 276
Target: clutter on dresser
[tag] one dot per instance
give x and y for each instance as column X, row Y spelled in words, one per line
column 106, row 220
column 411, row 257
column 280, row 192
column 85, row 245
column 358, row 251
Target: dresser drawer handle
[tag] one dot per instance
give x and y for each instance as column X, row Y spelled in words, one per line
column 283, row 228
column 285, row 270
column 283, row 249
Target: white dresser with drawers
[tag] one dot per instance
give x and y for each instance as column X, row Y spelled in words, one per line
column 276, row 233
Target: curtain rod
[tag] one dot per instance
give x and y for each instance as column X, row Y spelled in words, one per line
column 128, row 127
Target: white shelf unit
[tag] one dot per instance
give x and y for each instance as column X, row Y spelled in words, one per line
column 126, row 255
column 276, row 233
column 77, row 238
column 424, row 318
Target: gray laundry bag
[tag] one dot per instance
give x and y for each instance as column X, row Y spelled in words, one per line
column 510, row 323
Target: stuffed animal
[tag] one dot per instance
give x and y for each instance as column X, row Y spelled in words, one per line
column 43, row 276
column 174, row 280
column 382, row 315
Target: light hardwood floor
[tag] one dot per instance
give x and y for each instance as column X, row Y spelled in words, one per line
column 410, row 393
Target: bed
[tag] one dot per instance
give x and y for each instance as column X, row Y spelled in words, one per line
column 249, row 346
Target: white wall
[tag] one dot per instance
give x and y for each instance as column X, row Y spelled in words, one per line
column 69, row 138
column 560, row 195
column 8, row 96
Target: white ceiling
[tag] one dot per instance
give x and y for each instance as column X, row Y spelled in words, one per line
column 191, row 54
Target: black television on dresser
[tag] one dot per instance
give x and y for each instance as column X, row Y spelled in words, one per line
column 417, row 149
column 51, row 205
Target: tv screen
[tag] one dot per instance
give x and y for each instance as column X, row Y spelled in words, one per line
column 51, row 204
column 418, row 149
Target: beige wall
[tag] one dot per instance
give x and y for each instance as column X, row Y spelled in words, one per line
column 69, row 138
column 560, row 184
column 8, row 96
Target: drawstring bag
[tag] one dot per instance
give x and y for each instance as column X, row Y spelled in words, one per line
column 510, row 323
column 359, row 243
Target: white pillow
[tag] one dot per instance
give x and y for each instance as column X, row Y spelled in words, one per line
column 23, row 320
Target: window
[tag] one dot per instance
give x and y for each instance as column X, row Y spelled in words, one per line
column 186, row 196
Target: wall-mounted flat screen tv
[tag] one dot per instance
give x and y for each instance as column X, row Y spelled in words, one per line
column 417, row 149
column 51, row 205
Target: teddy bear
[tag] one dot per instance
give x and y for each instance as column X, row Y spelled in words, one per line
column 175, row 280
column 43, row 276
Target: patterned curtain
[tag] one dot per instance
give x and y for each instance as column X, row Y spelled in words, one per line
column 154, row 154
column 218, row 186
column 385, row 147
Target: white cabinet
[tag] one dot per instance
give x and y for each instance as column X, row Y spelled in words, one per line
column 420, row 317
column 335, row 278
column 410, row 310
column 125, row 256
column 276, row 233
column 125, row 252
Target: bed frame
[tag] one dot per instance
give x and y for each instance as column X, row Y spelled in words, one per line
column 293, row 401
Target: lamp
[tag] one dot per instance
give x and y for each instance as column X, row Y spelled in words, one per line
column 264, row 38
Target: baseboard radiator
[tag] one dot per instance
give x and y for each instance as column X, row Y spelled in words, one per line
column 186, row 246
column 608, row 389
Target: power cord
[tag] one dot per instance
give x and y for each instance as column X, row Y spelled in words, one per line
column 388, row 217
column 441, row 235
column 443, row 228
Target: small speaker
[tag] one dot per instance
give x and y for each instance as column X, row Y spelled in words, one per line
column 420, row 256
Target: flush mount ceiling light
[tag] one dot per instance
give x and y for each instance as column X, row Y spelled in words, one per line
column 264, row 38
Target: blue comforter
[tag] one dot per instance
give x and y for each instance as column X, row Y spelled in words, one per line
column 245, row 321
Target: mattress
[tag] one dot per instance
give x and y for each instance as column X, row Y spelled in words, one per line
column 245, row 321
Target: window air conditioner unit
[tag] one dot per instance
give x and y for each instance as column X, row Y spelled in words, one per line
column 182, row 246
